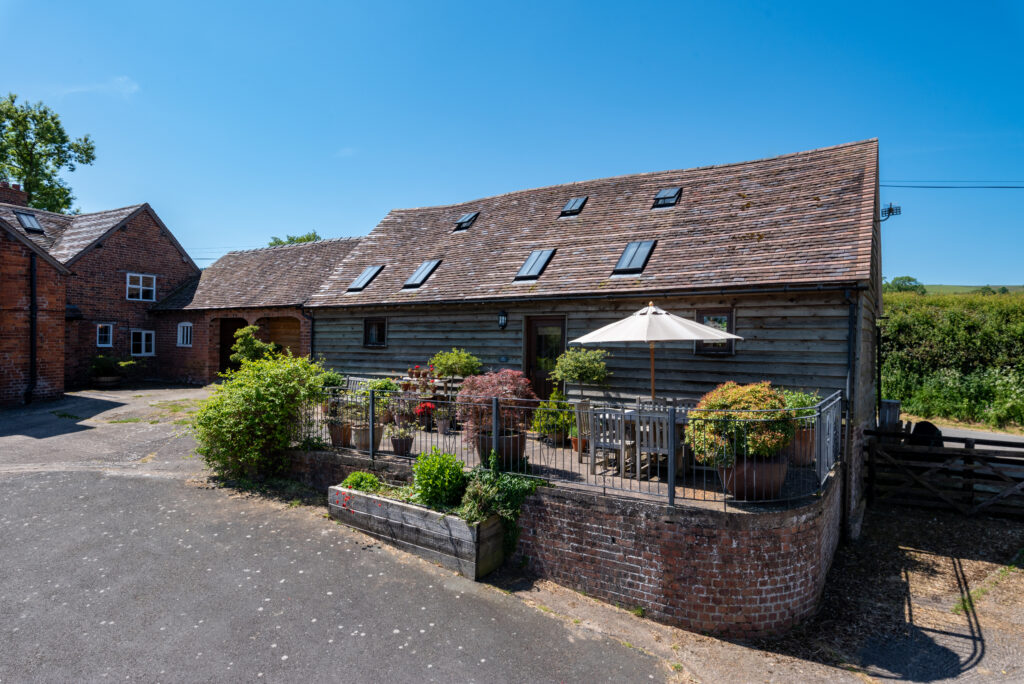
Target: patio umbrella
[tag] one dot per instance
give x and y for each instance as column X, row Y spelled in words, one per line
column 652, row 324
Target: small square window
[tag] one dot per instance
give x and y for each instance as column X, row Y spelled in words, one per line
column 574, row 206
column 667, row 197
column 29, row 222
column 466, row 220
column 716, row 318
column 375, row 332
column 635, row 257
column 141, row 287
column 184, row 334
column 142, row 343
column 104, row 334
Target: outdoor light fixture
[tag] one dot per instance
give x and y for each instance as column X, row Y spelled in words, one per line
column 502, row 319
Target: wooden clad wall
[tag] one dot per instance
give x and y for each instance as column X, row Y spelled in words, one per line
column 795, row 340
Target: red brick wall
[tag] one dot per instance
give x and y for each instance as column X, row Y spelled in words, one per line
column 199, row 364
column 730, row 573
column 15, row 298
column 13, row 194
column 98, row 289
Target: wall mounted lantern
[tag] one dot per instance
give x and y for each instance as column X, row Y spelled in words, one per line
column 502, row 319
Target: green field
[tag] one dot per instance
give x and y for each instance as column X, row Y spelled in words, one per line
column 959, row 289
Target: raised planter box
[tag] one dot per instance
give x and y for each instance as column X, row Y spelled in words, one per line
column 472, row 550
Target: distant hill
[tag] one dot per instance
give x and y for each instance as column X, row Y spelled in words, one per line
column 958, row 289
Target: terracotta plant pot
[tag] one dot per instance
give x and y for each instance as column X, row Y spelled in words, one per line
column 401, row 445
column 578, row 444
column 755, row 478
column 801, row 449
column 511, row 447
column 361, row 436
column 341, row 433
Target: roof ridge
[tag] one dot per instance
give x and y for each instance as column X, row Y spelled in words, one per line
column 21, row 207
column 297, row 244
column 708, row 167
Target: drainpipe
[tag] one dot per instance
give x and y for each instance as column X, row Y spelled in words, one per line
column 33, row 316
column 851, row 404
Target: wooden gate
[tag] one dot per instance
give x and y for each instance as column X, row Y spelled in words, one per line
column 966, row 478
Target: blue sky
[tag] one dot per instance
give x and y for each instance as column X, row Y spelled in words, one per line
column 238, row 121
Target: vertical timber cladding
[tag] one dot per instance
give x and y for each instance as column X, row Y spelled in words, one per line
column 792, row 339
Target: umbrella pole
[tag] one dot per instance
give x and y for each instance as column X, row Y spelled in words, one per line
column 652, row 371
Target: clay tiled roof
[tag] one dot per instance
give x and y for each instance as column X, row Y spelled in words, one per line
column 272, row 276
column 64, row 236
column 799, row 218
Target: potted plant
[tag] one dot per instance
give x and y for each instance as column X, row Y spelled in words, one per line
column 580, row 366
column 578, row 445
column 425, row 414
column 385, row 390
column 106, row 371
column 458, row 363
column 741, row 430
column 401, row 435
column 332, row 383
column 802, row 407
column 554, row 418
column 516, row 406
column 444, row 418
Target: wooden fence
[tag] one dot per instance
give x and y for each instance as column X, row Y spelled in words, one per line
column 968, row 475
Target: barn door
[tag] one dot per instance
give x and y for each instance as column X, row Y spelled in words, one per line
column 545, row 342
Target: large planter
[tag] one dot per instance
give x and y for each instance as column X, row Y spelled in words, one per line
column 105, row 381
column 444, row 426
column 556, row 438
column 401, row 445
column 801, row 449
column 511, row 447
column 472, row 550
column 755, row 478
column 341, row 433
column 361, row 437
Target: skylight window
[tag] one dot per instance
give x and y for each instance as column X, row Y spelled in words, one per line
column 535, row 264
column 574, row 206
column 466, row 220
column 634, row 257
column 29, row 222
column 667, row 197
column 365, row 278
column 421, row 274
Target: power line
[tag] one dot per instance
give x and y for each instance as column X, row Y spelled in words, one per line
column 954, row 187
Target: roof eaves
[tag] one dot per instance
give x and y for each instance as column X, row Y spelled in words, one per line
column 61, row 268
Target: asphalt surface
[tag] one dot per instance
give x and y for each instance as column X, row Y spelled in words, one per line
column 116, row 566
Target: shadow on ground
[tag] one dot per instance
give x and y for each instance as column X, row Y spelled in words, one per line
column 52, row 418
column 902, row 602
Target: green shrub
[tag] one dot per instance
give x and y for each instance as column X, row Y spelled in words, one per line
column 802, row 403
column 456, row 363
column 580, row 366
column 332, row 379
column 729, row 421
column 243, row 427
column 364, row 482
column 554, row 416
column 491, row 492
column 102, row 365
column 248, row 347
column 439, row 478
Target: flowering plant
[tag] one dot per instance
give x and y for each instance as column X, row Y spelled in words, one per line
column 425, row 409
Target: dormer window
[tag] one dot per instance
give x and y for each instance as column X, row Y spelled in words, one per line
column 421, row 274
column 634, row 258
column 667, row 197
column 29, row 222
column 535, row 264
column 574, row 206
column 365, row 278
column 466, row 220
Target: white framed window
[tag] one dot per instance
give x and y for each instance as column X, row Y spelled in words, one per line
column 104, row 334
column 141, row 287
column 184, row 334
column 142, row 343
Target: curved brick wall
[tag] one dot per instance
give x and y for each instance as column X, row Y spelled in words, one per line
column 734, row 574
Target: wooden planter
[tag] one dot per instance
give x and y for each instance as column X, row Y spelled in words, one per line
column 341, row 433
column 472, row 550
column 755, row 478
column 361, row 437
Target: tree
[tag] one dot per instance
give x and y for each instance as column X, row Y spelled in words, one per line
column 294, row 239
column 903, row 284
column 35, row 148
column 248, row 347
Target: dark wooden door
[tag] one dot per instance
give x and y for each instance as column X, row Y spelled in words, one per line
column 545, row 342
column 228, row 326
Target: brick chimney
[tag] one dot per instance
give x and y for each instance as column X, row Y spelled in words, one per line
column 13, row 194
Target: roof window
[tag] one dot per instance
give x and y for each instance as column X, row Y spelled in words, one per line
column 365, row 278
column 634, row 258
column 667, row 197
column 466, row 220
column 535, row 264
column 421, row 274
column 574, row 206
column 29, row 222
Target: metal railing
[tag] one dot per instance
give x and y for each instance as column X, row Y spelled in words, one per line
column 645, row 449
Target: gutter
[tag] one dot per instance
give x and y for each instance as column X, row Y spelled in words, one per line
column 33, row 318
